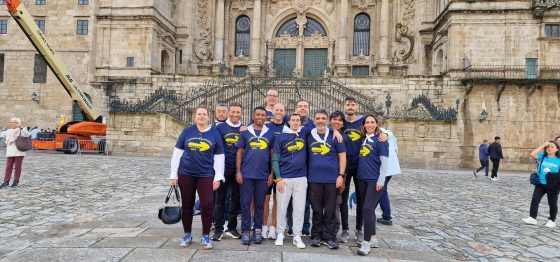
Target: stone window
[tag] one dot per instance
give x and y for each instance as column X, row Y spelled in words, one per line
column 3, row 27
column 40, row 2
column 360, row 71
column 180, row 56
column 290, row 27
column 361, row 35
column 83, row 2
column 552, row 30
column 82, row 27
column 242, row 36
column 439, row 65
column 40, row 69
column 130, row 61
column 1, row 68
column 41, row 24
column 2, row 2
column 239, row 70
column 165, row 62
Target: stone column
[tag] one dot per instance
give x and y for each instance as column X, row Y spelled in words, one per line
column 383, row 64
column 219, row 36
column 255, row 63
column 342, row 63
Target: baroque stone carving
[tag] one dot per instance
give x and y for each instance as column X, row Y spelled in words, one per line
column 202, row 45
column 403, row 36
column 316, row 39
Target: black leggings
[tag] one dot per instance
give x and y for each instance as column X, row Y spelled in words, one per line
column 540, row 191
column 370, row 199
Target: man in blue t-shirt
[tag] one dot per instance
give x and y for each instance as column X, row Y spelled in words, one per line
column 229, row 131
column 483, row 157
column 253, row 170
column 326, row 172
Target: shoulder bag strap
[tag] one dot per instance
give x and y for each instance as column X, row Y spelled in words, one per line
column 177, row 196
column 169, row 194
column 540, row 163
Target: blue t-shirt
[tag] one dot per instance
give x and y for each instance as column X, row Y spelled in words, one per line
column 275, row 128
column 369, row 161
column 293, row 155
column 256, row 154
column 307, row 125
column 323, row 159
column 200, row 148
column 549, row 165
column 229, row 135
column 483, row 152
column 352, row 130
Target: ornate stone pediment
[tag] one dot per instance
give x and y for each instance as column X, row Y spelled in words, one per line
column 316, row 39
column 285, row 40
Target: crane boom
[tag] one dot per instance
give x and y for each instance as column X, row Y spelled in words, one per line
column 27, row 24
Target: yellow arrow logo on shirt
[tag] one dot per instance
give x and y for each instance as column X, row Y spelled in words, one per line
column 202, row 146
column 298, row 146
column 321, row 149
column 232, row 140
column 259, row 144
column 354, row 136
column 364, row 151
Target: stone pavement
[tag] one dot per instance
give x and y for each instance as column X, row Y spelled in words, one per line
column 98, row 208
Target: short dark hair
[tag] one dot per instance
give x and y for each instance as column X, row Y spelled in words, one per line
column 221, row 104
column 321, row 111
column 485, row 140
column 235, row 104
column 556, row 138
column 497, row 138
column 259, row 108
column 349, row 99
column 294, row 114
column 336, row 114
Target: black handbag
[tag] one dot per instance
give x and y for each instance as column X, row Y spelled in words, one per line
column 534, row 178
column 171, row 214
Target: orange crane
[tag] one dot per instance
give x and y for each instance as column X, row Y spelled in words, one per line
column 70, row 136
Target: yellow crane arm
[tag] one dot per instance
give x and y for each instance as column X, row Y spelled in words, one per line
column 27, row 24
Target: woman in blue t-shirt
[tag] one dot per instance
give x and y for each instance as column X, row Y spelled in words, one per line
column 372, row 169
column 548, row 157
column 198, row 166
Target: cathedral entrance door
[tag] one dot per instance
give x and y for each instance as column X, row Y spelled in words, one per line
column 315, row 62
column 284, row 62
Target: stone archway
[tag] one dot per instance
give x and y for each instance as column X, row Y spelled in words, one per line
column 165, row 63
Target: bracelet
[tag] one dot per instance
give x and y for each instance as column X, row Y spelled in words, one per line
column 342, row 175
column 279, row 179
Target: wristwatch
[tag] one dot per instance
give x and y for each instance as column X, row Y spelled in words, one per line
column 342, row 175
column 238, row 174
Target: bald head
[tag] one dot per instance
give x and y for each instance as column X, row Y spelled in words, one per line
column 278, row 111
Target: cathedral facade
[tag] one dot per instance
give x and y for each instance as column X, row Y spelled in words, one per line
column 493, row 65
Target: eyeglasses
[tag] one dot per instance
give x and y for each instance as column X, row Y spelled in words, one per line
column 272, row 95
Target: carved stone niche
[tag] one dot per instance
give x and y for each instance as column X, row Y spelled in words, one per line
column 285, row 40
column 315, row 40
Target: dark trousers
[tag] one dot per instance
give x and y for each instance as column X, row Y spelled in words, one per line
column 384, row 202
column 495, row 166
column 344, row 206
column 189, row 185
column 221, row 202
column 323, row 202
column 249, row 190
column 552, row 196
column 11, row 162
column 484, row 165
column 306, row 216
column 370, row 199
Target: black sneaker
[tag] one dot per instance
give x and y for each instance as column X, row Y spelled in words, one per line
column 315, row 242
column 290, row 233
column 4, row 185
column 384, row 221
column 217, row 235
column 332, row 244
column 305, row 234
column 15, row 184
column 233, row 234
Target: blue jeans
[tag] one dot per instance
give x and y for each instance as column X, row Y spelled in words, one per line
column 249, row 190
column 384, row 201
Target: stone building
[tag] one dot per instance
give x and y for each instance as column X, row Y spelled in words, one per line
column 491, row 67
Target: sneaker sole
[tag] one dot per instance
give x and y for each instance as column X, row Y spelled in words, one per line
column 232, row 236
column 362, row 253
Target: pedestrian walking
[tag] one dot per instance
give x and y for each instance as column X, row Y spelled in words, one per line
column 495, row 154
column 372, row 169
column 253, row 160
column 14, row 157
column 197, row 166
column 483, row 157
column 548, row 159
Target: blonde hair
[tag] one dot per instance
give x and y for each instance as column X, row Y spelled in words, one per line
column 16, row 120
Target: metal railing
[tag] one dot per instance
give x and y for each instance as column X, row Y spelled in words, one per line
column 513, row 72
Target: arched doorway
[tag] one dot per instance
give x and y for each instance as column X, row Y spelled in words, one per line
column 300, row 47
column 165, row 63
column 439, row 66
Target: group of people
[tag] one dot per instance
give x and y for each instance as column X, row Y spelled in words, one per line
column 491, row 152
column 14, row 157
column 306, row 162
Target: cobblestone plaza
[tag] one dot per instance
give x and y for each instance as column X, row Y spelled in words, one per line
column 99, row 208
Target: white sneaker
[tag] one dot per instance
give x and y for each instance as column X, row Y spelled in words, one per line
column 279, row 240
column 531, row 221
column 374, row 243
column 264, row 232
column 550, row 224
column 298, row 242
column 272, row 232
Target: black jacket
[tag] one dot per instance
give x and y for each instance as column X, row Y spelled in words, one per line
column 495, row 151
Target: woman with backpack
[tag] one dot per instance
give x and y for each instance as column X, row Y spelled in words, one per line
column 548, row 157
column 14, row 156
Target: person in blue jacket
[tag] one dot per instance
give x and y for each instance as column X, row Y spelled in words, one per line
column 372, row 169
column 483, row 157
column 253, row 169
column 548, row 159
column 197, row 165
